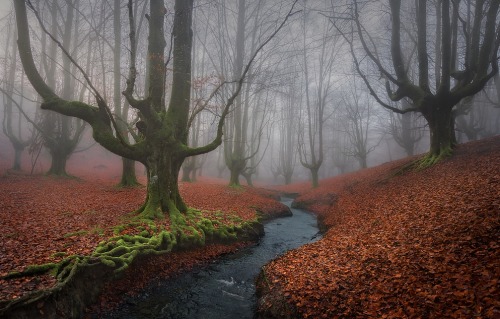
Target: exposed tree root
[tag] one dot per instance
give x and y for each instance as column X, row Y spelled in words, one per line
column 118, row 253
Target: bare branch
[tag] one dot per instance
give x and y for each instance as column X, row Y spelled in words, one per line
column 218, row 139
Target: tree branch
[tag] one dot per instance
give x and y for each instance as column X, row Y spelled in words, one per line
column 218, row 139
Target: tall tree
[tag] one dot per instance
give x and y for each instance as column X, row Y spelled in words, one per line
column 464, row 59
column 358, row 121
column 14, row 135
column 242, row 143
column 235, row 147
column 317, row 63
column 288, row 126
column 163, row 128
column 61, row 134
column 128, row 166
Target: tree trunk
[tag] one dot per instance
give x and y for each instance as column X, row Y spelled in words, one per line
column 442, row 131
column 18, row 151
column 186, row 173
column 234, row 179
column 362, row 161
column 187, row 169
column 314, row 176
column 128, row 173
column 248, row 178
column 288, row 178
column 59, row 159
column 236, row 167
column 163, row 169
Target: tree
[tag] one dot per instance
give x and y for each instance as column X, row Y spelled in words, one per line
column 163, row 128
column 240, row 148
column 15, row 136
column 60, row 134
column 287, row 130
column 464, row 58
column 406, row 129
column 317, row 64
column 128, row 166
column 358, row 119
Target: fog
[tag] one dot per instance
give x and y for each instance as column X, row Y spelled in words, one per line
column 314, row 101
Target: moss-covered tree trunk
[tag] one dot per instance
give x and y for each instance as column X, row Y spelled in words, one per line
column 162, row 190
column 129, row 178
column 59, row 154
column 236, row 167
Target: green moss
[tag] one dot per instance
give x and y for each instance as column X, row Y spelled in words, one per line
column 58, row 254
column 236, row 187
column 77, row 233
column 118, row 229
column 144, row 233
column 206, row 225
column 150, row 212
column 108, row 262
column 189, row 229
column 99, row 231
column 431, row 159
column 32, row 270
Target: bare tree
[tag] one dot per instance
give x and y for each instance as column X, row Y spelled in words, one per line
column 464, row 59
column 163, row 129
column 317, row 63
column 61, row 134
column 288, row 126
column 15, row 135
column 128, row 177
column 359, row 118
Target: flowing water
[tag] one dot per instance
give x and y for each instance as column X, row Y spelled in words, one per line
column 225, row 288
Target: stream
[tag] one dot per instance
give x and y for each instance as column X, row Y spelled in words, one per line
column 225, row 288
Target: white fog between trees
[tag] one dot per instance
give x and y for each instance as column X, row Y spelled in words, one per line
column 305, row 89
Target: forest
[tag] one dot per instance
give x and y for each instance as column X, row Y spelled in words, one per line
column 144, row 139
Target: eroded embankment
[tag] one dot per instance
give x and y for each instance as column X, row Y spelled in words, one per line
column 81, row 278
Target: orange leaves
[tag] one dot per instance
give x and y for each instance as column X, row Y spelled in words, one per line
column 421, row 244
column 44, row 219
column 214, row 198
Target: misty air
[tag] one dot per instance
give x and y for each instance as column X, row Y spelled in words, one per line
column 249, row 159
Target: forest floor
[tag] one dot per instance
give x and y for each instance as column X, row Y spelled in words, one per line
column 45, row 219
column 400, row 243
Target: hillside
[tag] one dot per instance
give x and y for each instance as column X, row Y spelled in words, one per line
column 399, row 244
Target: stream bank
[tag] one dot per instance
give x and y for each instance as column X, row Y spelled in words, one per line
column 86, row 276
column 225, row 288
